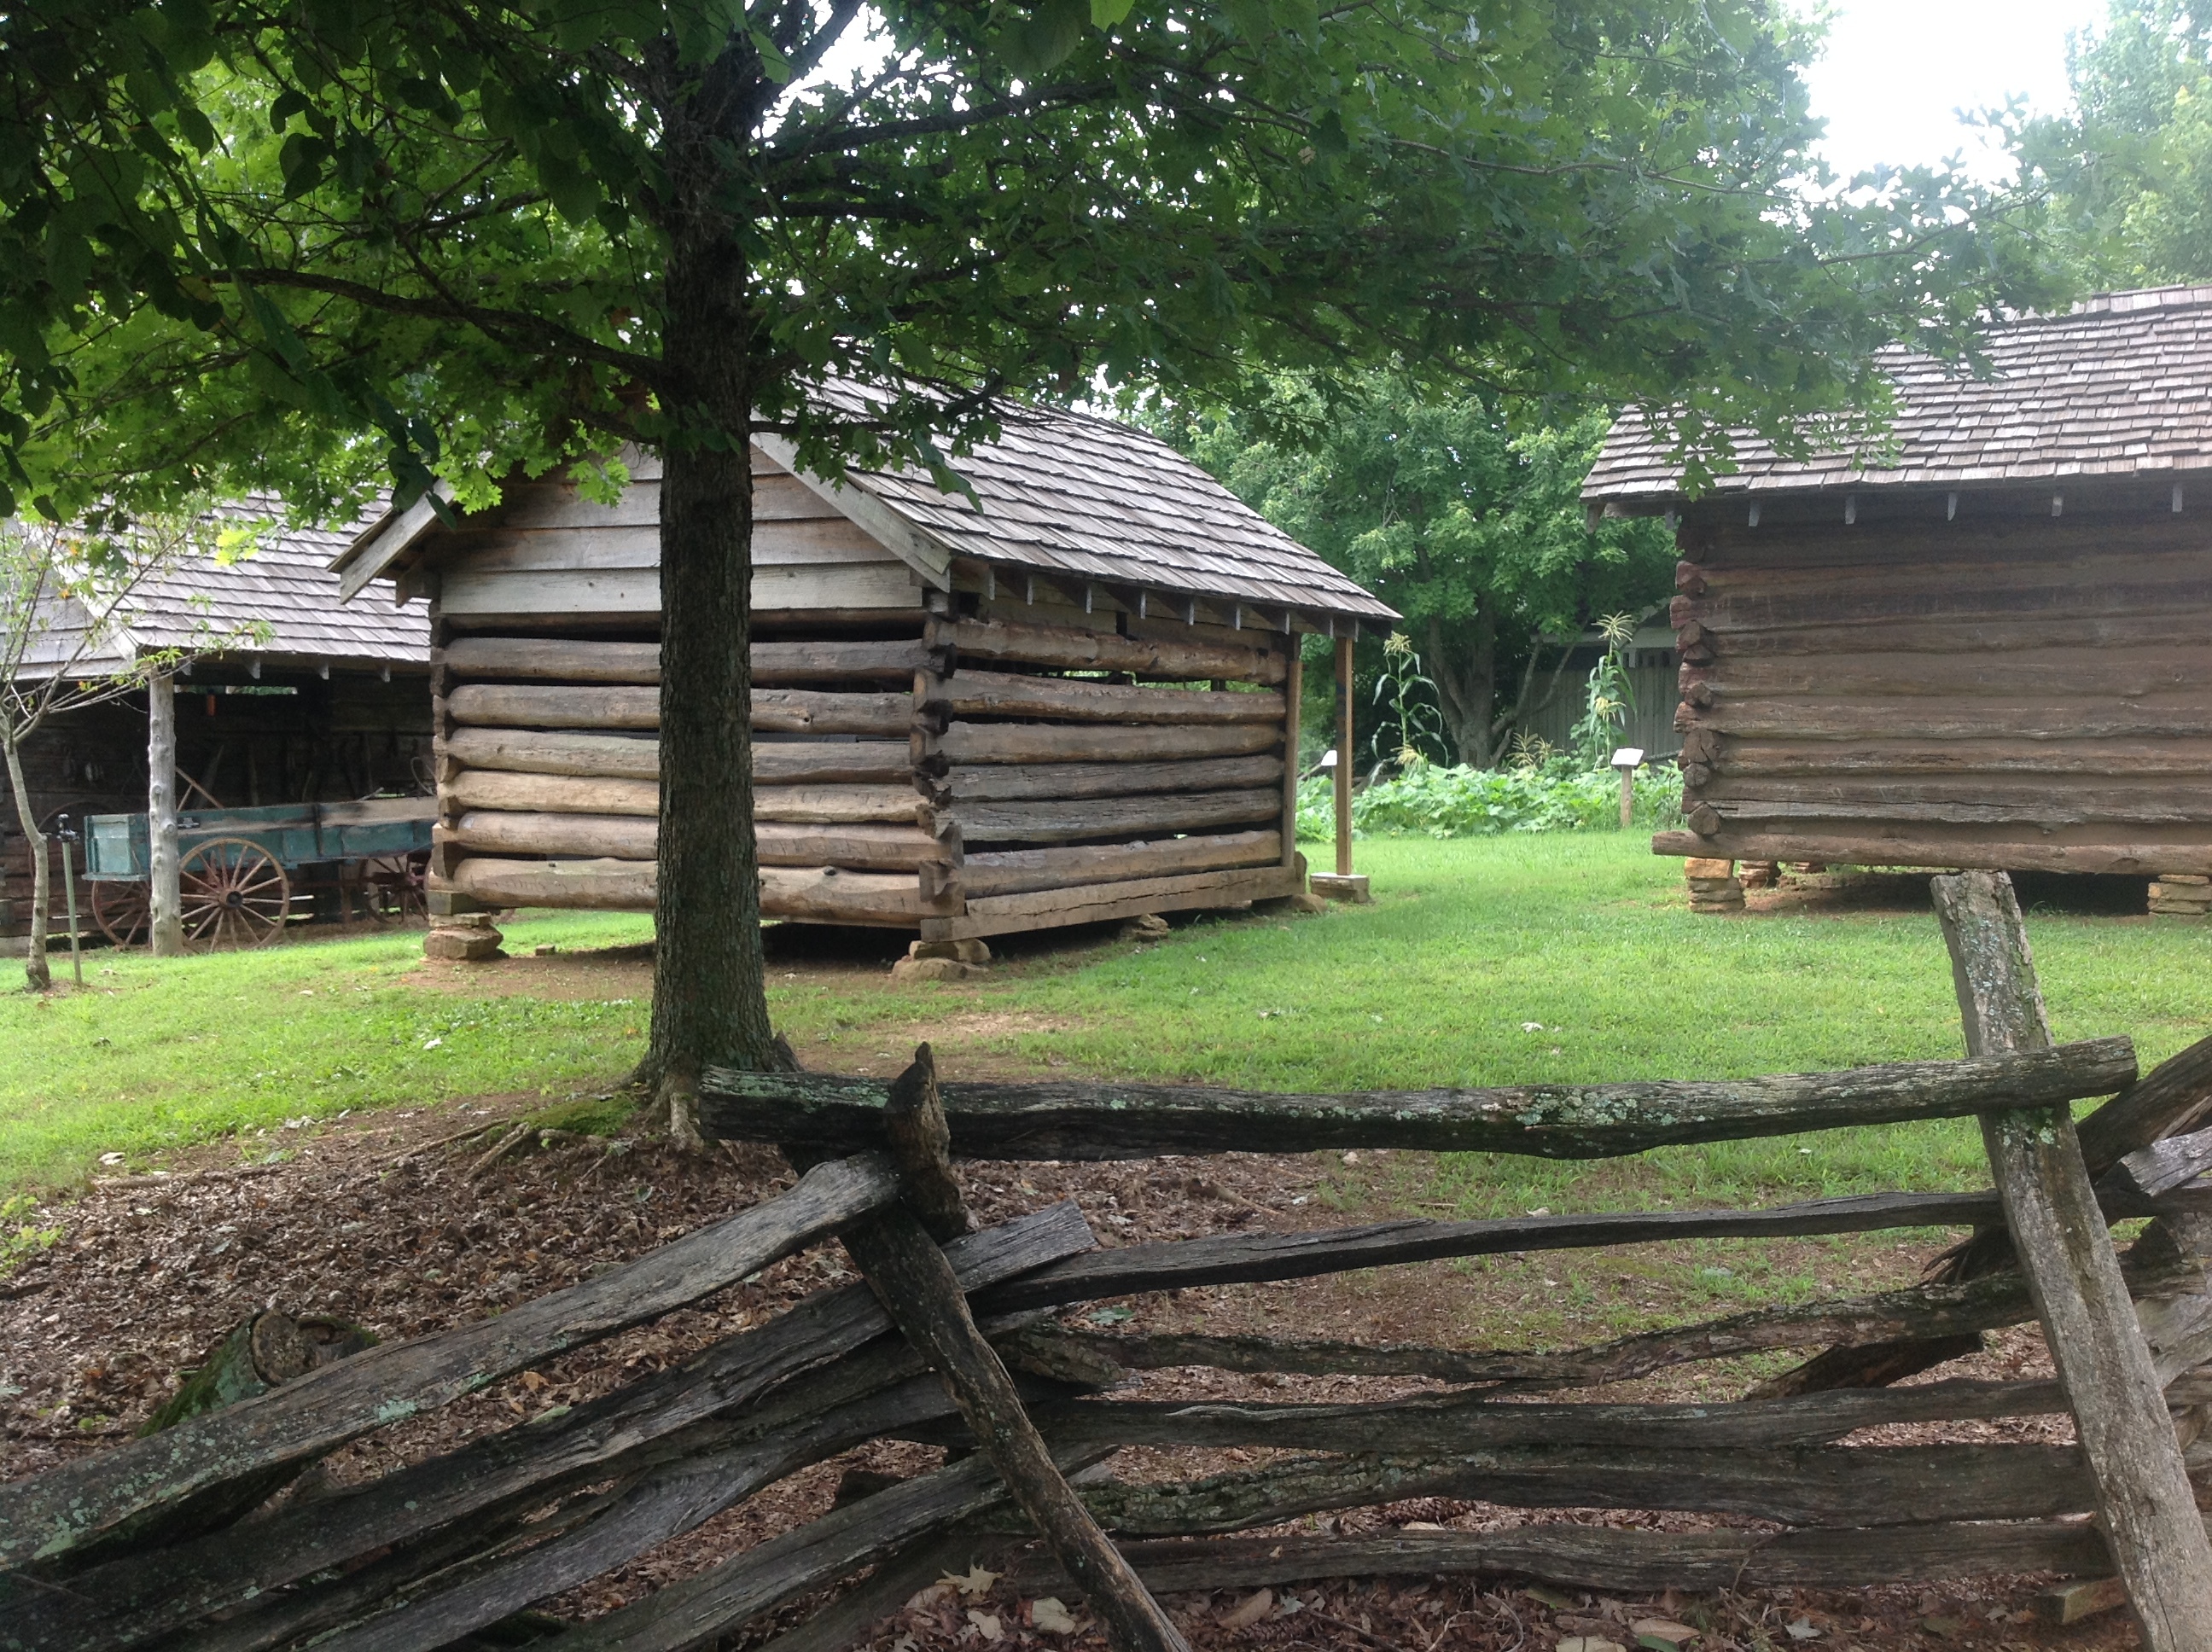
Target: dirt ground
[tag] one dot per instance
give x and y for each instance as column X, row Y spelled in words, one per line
column 382, row 1220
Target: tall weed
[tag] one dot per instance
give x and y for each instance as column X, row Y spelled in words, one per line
column 1427, row 800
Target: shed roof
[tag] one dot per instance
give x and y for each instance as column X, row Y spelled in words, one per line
column 2119, row 387
column 287, row 584
column 1060, row 494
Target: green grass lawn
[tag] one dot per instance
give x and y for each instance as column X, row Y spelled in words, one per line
column 1560, row 956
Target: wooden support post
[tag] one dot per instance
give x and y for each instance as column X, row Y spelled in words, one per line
column 918, row 1289
column 2157, row 1537
column 166, row 934
column 1344, row 884
column 1294, row 682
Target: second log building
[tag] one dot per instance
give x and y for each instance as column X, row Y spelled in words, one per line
column 1070, row 698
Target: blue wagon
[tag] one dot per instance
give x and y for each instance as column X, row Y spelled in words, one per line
column 241, row 871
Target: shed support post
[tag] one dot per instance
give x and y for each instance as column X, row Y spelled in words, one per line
column 1344, row 885
column 166, row 929
column 2065, row 1249
column 1294, row 682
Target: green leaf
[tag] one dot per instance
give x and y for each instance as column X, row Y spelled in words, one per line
column 1046, row 38
column 774, row 63
column 1104, row 14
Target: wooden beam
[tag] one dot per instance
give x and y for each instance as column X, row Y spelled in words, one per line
column 1344, row 759
column 1293, row 693
column 996, row 694
column 2143, row 1493
column 1072, row 648
column 165, row 922
column 1098, row 1119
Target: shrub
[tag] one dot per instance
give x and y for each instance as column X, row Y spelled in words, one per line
column 1426, row 800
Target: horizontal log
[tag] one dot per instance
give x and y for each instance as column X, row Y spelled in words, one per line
column 1235, row 1259
column 134, row 1600
column 1100, row 816
column 565, row 794
column 2026, row 672
column 494, row 705
column 773, row 664
column 1978, row 757
column 1094, row 1119
column 785, row 711
column 1098, row 903
column 51, row 1514
column 559, row 659
column 1070, row 649
column 2044, row 717
column 995, row 693
column 1981, row 801
column 499, row 831
column 496, row 789
column 1875, row 843
column 1866, row 1485
column 1451, row 1424
column 1952, row 599
column 630, row 756
column 824, row 895
column 1990, row 634
column 1616, row 1560
column 803, row 711
column 869, row 848
column 1988, row 1303
column 600, row 884
column 1013, row 871
column 1012, row 783
column 836, row 804
column 2159, row 1168
column 1032, row 743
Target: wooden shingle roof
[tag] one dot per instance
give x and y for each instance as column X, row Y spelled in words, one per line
column 2119, row 387
column 1065, row 494
column 286, row 584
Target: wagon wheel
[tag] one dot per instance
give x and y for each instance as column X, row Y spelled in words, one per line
column 122, row 908
column 392, row 886
column 235, row 893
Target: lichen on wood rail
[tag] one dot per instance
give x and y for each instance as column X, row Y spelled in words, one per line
column 1097, row 1119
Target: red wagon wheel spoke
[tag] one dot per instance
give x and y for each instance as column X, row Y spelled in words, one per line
column 235, row 892
column 123, row 910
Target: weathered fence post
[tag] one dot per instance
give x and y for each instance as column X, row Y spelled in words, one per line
column 2151, row 1520
column 899, row 1256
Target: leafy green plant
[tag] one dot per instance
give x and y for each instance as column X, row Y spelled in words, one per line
column 1412, row 727
column 1608, row 696
column 1558, row 795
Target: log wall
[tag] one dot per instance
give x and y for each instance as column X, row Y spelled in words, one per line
column 952, row 762
column 1992, row 689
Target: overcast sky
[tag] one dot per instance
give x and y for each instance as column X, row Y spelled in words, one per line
column 1896, row 72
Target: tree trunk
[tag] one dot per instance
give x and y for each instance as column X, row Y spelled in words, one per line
column 165, row 932
column 35, row 972
column 707, row 1003
column 1467, row 687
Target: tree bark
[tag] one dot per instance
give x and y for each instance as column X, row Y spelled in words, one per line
column 35, row 972
column 166, row 929
column 1467, row 687
column 708, row 1001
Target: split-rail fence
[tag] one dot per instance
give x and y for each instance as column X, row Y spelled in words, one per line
column 953, row 1340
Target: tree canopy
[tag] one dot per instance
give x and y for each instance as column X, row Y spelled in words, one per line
column 2130, row 172
column 1472, row 528
column 302, row 244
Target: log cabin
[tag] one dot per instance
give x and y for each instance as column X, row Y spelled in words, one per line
column 327, row 706
column 1069, row 698
column 1988, row 645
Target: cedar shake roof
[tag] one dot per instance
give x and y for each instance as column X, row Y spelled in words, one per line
column 288, row 584
column 2119, row 387
column 1063, row 493
column 1059, row 494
